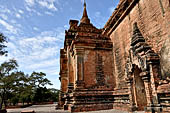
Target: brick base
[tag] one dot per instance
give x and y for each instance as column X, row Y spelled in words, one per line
column 123, row 107
column 91, row 107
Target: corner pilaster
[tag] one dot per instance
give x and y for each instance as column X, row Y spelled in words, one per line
column 132, row 106
column 79, row 56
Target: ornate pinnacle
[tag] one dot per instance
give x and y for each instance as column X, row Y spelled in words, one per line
column 84, row 3
column 85, row 18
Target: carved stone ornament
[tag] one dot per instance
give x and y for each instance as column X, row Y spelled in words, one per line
column 140, row 54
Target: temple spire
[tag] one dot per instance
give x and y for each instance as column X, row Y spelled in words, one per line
column 84, row 3
column 85, row 18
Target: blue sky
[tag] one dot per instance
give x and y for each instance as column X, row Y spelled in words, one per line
column 35, row 30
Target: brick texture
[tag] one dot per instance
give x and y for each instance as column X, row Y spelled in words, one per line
column 123, row 66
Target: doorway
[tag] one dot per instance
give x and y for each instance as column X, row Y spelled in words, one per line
column 139, row 90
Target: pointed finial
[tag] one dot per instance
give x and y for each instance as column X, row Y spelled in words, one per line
column 85, row 18
column 84, row 3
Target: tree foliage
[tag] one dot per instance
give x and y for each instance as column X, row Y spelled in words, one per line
column 37, row 79
column 7, row 79
column 16, row 86
column 3, row 40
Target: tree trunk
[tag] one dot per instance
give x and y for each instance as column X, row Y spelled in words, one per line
column 5, row 103
column 2, row 101
column 1, row 104
column 23, row 101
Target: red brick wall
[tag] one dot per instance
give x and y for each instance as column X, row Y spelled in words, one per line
column 153, row 18
column 71, row 70
column 90, row 67
column 64, row 84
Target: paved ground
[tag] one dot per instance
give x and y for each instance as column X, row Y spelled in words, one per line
column 51, row 109
column 38, row 109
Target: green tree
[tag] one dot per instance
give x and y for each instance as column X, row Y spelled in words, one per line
column 42, row 94
column 54, row 94
column 38, row 82
column 16, row 86
column 20, row 89
column 3, row 40
column 7, row 79
column 37, row 79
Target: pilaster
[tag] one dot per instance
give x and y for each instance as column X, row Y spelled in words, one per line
column 132, row 106
column 155, row 106
column 79, row 53
column 147, row 85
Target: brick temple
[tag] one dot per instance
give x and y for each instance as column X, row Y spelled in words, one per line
column 125, row 65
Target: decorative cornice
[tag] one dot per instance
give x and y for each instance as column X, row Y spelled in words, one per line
column 122, row 10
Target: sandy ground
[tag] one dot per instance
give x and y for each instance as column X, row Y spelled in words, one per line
column 51, row 109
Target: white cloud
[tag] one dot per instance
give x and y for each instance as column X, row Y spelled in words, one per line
column 39, row 53
column 44, row 64
column 32, row 10
column 52, row 71
column 3, row 59
column 48, row 4
column 35, row 28
column 18, row 15
column 30, row 2
column 49, row 13
column 4, row 10
column 36, row 50
column 9, row 27
column 28, row 9
column 49, row 33
column 4, row 16
column 21, row 11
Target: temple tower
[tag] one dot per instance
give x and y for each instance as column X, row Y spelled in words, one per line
column 123, row 66
column 89, row 69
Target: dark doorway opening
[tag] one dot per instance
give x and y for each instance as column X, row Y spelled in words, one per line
column 139, row 90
